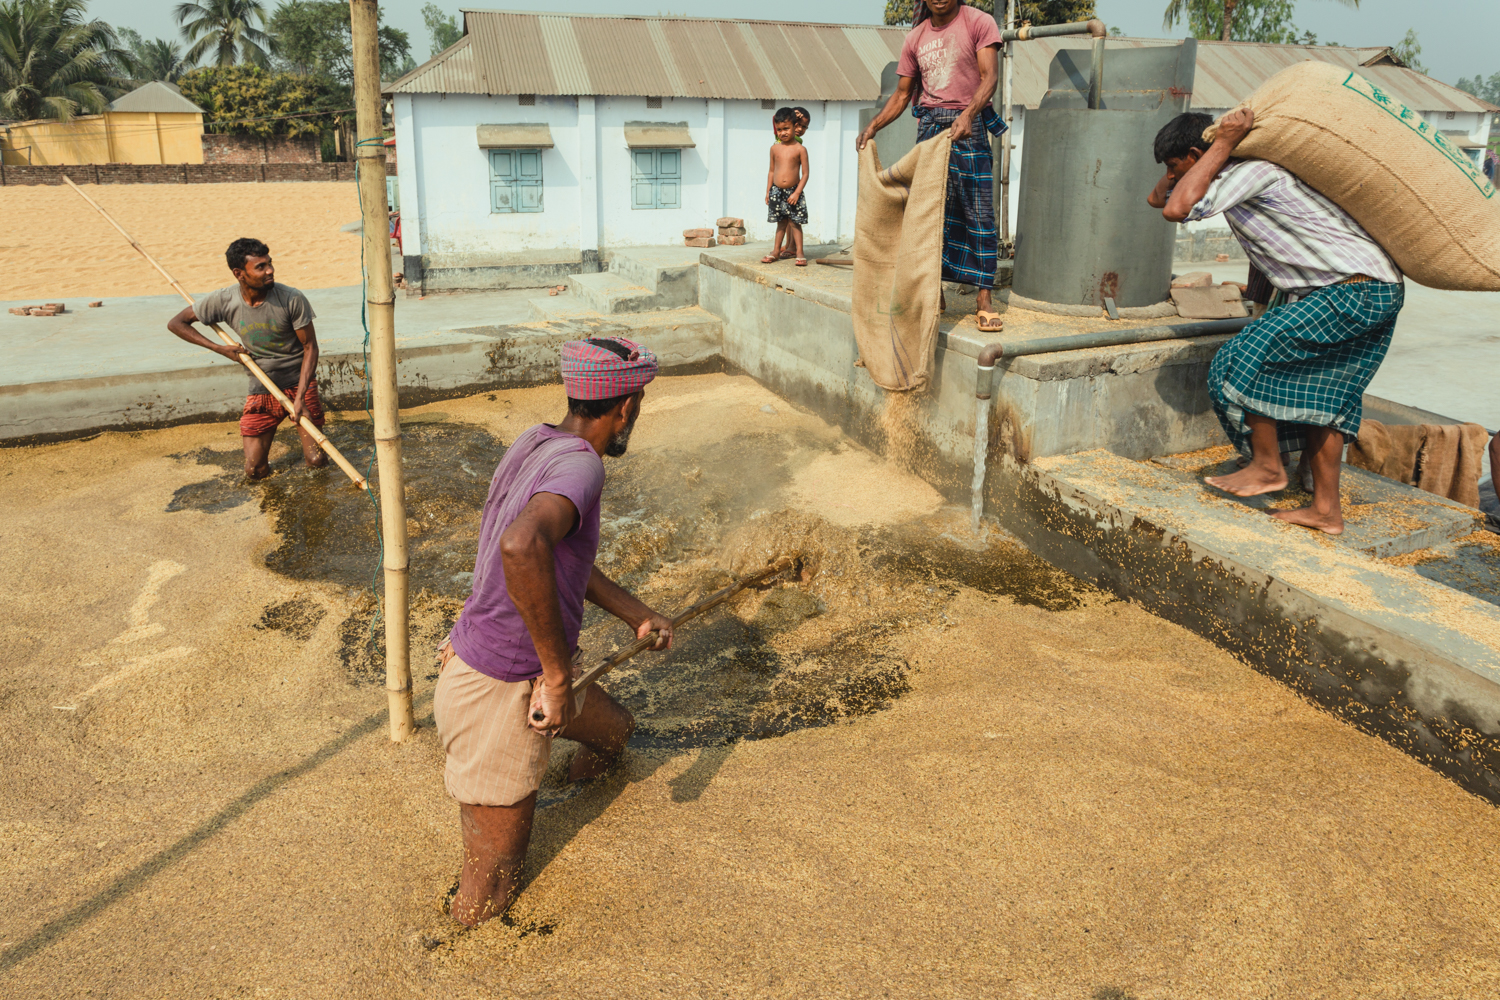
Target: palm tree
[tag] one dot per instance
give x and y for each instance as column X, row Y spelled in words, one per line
column 54, row 63
column 225, row 28
column 1223, row 12
column 159, row 59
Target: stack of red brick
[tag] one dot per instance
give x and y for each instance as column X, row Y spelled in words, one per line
column 50, row 309
column 732, row 232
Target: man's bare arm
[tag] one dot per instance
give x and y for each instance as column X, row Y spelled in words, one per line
column 892, row 110
column 182, row 326
column 531, row 579
column 628, row 608
column 989, row 75
column 1163, row 190
column 309, row 338
column 1194, row 184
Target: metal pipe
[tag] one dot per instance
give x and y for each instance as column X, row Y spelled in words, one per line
column 992, row 353
column 1096, row 75
column 1026, row 32
column 1007, row 100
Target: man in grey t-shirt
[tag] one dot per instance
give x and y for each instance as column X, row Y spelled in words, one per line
column 274, row 322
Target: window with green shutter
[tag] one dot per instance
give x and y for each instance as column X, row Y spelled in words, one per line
column 515, row 180
column 656, row 178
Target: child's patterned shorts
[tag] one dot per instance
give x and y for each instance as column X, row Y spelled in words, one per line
column 780, row 208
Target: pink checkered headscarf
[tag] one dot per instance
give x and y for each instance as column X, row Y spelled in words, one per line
column 606, row 367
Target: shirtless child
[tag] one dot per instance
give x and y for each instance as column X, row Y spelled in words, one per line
column 784, row 183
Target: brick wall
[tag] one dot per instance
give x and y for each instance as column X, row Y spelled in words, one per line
column 177, row 173
column 256, row 149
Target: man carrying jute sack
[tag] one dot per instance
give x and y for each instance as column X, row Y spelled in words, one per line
column 1294, row 378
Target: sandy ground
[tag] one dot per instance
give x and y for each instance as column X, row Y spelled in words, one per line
column 54, row 245
column 1058, row 803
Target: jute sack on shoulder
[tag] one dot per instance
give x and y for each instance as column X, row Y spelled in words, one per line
column 898, row 262
column 1406, row 183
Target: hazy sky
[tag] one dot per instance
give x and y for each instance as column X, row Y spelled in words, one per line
column 1457, row 36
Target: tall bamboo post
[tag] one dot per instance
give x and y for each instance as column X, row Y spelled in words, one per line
column 381, row 309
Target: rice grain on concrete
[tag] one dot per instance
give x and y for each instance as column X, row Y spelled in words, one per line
column 1064, row 802
column 55, row 246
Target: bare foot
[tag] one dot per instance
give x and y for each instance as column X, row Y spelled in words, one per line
column 1329, row 524
column 1251, row 481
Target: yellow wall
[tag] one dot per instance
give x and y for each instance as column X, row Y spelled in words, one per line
column 113, row 137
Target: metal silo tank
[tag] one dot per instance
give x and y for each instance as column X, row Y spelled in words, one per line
column 1084, row 231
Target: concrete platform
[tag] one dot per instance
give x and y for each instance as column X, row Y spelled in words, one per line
column 1382, row 517
column 118, row 366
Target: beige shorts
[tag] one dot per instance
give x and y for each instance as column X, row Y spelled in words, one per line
column 494, row 757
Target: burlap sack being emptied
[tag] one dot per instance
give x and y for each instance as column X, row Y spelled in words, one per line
column 898, row 262
column 1416, row 193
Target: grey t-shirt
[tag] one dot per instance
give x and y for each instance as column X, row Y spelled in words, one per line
column 269, row 330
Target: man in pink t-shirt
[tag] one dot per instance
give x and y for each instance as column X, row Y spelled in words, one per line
column 948, row 65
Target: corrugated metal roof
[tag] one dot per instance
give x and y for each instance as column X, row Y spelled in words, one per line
column 1229, row 72
column 163, row 98
column 505, row 52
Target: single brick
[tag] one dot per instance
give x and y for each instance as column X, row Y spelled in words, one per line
column 731, row 230
column 1196, row 279
column 728, row 223
column 697, row 234
column 732, row 241
column 699, row 241
column 96, row 305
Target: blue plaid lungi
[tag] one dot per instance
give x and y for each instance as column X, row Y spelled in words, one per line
column 1307, row 362
column 970, row 243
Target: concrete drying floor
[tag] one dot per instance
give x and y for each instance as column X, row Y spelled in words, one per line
column 1040, row 792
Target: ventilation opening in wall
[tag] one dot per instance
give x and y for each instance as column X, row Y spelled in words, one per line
column 526, row 100
column 768, row 105
column 653, row 102
column 1451, row 114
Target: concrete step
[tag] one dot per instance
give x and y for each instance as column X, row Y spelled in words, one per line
column 555, row 308
column 670, row 272
column 687, row 336
column 609, row 293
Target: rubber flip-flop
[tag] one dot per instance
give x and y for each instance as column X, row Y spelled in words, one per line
column 769, row 259
column 801, row 261
column 788, row 254
column 990, row 322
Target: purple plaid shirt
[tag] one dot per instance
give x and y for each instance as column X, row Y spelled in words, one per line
column 1299, row 239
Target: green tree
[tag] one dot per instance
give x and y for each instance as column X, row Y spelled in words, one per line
column 54, row 62
column 1239, row 20
column 225, row 30
column 157, row 59
column 313, row 38
column 1035, row 11
column 442, row 28
column 249, row 100
column 1408, row 52
column 1485, row 90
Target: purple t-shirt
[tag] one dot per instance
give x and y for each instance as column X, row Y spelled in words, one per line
column 490, row 635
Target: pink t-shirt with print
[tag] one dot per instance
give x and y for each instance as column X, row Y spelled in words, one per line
column 945, row 58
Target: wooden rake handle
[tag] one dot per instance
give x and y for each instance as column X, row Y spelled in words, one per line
column 229, row 341
column 644, row 643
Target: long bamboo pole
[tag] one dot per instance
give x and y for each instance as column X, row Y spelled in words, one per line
column 380, row 301
column 229, row 341
column 644, row 643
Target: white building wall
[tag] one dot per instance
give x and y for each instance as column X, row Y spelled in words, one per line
column 586, row 176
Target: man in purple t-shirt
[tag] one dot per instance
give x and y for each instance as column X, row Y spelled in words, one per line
column 508, row 665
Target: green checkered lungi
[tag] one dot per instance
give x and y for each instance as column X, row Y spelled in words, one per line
column 1306, row 363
